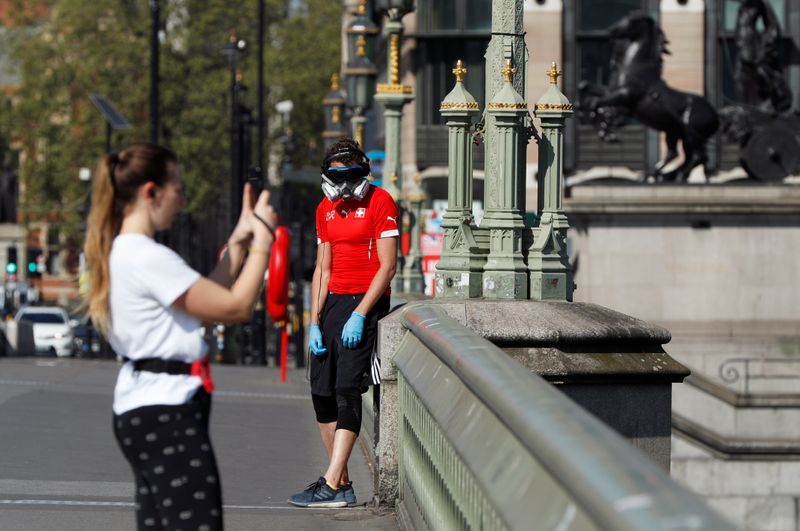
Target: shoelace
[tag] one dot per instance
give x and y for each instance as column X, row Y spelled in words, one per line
column 317, row 489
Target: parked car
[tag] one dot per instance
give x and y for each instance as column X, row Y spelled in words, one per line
column 52, row 332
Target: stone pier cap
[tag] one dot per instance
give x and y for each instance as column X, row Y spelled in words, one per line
column 552, row 338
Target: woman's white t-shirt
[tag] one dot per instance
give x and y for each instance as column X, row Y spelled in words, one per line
column 146, row 278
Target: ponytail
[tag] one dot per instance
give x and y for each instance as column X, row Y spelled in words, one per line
column 101, row 227
column 116, row 181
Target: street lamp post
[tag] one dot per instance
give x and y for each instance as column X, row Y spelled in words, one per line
column 234, row 51
column 413, row 281
column 285, row 108
column 260, row 91
column 504, row 196
column 394, row 96
column 154, row 69
column 334, row 113
column 360, row 71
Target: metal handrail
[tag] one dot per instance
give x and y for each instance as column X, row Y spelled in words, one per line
column 730, row 374
column 618, row 488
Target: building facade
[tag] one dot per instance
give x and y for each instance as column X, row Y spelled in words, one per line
column 575, row 34
column 714, row 259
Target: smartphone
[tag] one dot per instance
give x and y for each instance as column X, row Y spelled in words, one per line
column 256, row 179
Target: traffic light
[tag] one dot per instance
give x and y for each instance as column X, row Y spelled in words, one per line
column 11, row 261
column 33, row 259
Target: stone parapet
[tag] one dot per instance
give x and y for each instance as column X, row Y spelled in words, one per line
column 545, row 324
column 699, row 199
column 611, row 364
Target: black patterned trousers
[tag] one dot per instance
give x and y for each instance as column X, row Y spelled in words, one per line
column 169, row 450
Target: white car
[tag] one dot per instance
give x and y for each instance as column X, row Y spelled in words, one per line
column 51, row 328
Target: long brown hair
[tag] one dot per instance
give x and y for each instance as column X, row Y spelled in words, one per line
column 116, row 181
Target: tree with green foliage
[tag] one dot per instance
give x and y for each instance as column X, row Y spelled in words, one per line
column 102, row 46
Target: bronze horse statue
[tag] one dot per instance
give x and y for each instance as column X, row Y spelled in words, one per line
column 636, row 89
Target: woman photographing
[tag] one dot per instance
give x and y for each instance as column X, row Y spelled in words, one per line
column 151, row 305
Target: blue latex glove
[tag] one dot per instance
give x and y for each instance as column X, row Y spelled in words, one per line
column 315, row 342
column 353, row 328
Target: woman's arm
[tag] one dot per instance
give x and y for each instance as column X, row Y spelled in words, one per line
column 209, row 301
column 320, row 280
column 387, row 255
column 226, row 269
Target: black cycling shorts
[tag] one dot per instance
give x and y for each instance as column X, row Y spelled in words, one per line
column 342, row 367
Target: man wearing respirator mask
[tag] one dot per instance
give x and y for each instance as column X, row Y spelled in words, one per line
column 356, row 259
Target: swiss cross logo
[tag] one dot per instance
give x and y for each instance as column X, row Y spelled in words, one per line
column 330, row 215
column 361, row 212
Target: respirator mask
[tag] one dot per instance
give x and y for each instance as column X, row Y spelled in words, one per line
column 345, row 182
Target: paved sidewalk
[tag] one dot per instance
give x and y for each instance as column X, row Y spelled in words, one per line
column 60, row 468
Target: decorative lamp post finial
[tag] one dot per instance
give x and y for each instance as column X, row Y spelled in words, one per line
column 508, row 71
column 362, row 7
column 232, row 38
column 361, row 46
column 238, row 75
column 334, row 103
column 459, row 71
column 360, row 135
column 553, row 73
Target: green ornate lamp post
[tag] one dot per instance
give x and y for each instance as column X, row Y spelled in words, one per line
column 505, row 274
column 413, row 281
column 334, row 103
column 548, row 262
column 394, row 96
column 504, row 197
column 360, row 72
column 458, row 273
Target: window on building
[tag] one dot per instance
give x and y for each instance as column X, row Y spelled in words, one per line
column 435, row 74
column 455, row 16
column 594, row 17
column 447, row 30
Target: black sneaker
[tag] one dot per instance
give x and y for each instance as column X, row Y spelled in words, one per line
column 319, row 494
column 349, row 493
column 301, row 498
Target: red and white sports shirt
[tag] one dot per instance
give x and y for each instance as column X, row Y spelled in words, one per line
column 353, row 228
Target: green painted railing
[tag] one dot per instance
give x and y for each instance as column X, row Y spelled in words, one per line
column 485, row 444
